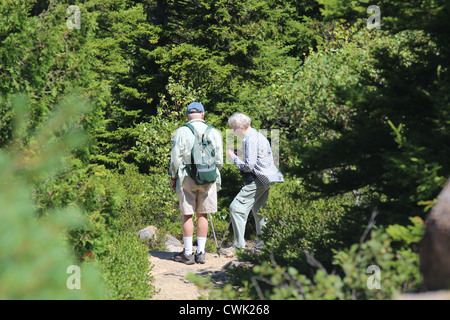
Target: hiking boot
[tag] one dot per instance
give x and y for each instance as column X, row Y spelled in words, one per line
column 184, row 258
column 200, row 257
column 259, row 246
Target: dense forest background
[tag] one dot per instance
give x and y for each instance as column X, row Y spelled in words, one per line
column 89, row 100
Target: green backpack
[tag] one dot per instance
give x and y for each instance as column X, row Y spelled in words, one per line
column 202, row 168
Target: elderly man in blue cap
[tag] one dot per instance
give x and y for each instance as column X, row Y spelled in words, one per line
column 201, row 199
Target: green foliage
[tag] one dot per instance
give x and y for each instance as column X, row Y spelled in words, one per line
column 148, row 200
column 299, row 222
column 363, row 117
column 216, row 47
column 354, row 280
column 410, row 234
column 153, row 144
column 303, row 102
column 402, row 167
column 41, row 57
column 399, row 268
column 35, row 255
column 126, row 268
column 94, row 190
column 335, row 9
column 408, row 171
column 116, row 139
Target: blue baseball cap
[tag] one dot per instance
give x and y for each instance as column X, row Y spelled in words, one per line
column 195, row 105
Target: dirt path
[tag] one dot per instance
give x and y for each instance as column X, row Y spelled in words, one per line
column 170, row 277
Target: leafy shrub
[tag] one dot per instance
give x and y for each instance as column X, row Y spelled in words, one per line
column 34, row 257
column 115, row 206
column 34, row 253
column 296, row 222
column 377, row 131
column 126, row 268
column 304, row 103
column 353, row 277
column 92, row 189
column 399, row 268
column 147, row 200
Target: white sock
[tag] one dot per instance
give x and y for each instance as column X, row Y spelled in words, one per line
column 187, row 245
column 201, row 244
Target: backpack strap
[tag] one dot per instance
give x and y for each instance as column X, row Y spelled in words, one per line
column 207, row 131
column 195, row 133
column 190, row 126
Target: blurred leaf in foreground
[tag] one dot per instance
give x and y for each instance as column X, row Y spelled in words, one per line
column 35, row 260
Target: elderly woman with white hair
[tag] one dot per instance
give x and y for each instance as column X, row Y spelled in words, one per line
column 258, row 172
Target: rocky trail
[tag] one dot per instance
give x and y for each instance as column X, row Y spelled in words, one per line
column 170, row 277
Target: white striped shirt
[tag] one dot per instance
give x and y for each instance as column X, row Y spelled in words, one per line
column 258, row 158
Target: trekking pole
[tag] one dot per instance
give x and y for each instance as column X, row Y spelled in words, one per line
column 214, row 233
column 224, row 234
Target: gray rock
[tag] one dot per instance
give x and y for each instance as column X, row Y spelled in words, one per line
column 148, row 233
column 170, row 242
column 435, row 247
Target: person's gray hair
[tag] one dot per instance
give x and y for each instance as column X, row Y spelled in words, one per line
column 239, row 120
column 195, row 115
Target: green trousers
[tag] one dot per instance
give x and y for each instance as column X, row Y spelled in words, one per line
column 252, row 197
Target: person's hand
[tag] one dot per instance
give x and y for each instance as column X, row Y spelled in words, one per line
column 173, row 183
column 230, row 153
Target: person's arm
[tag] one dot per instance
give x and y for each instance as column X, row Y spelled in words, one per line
column 219, row 149
column 250, row 156
column 173, row 183
column 176, row 157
